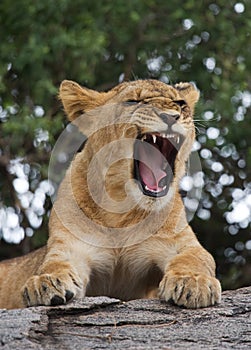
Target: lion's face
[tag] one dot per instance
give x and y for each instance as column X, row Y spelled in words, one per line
column 157, row 121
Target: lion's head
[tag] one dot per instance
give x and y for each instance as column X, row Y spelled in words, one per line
column 140, row 136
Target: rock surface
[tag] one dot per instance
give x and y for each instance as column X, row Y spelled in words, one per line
column 104, row 323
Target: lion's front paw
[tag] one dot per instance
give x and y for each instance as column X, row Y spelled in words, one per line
column 51, row 289
column 190, row 290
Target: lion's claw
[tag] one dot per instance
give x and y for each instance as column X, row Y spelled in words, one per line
column 191, row 291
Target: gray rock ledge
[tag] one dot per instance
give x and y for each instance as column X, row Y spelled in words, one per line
column 105, row 323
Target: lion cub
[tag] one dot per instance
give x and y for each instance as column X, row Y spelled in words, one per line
column 118, row 226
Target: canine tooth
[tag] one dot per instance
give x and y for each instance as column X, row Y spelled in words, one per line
column 154, row 138
column 177, row 138
column 143, row 138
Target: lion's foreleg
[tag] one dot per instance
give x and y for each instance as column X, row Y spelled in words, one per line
column 189, row 279
column 63, row 275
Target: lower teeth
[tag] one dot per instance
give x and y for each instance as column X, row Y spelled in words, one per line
column 155, row 191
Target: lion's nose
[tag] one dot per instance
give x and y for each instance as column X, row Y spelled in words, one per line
column 169, row 119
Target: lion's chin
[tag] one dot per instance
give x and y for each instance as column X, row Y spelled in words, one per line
column 151, row 203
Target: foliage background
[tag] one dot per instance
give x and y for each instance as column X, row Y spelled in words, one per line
column 99, row 44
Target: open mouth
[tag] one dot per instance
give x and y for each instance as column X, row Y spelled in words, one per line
column 154, row 159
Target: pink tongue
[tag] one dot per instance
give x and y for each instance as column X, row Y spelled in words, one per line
column 150, row 166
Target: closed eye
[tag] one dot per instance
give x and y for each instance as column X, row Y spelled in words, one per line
column 181, row 103
column 133, row 101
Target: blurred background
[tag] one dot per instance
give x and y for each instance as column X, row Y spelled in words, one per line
column 101, row 43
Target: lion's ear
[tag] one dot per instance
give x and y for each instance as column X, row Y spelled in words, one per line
column 189, row 92
column 78, row 100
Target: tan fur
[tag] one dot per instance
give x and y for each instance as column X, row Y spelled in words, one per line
column 121, row 244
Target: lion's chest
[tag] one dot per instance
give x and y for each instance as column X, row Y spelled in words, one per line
column 130, row 277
